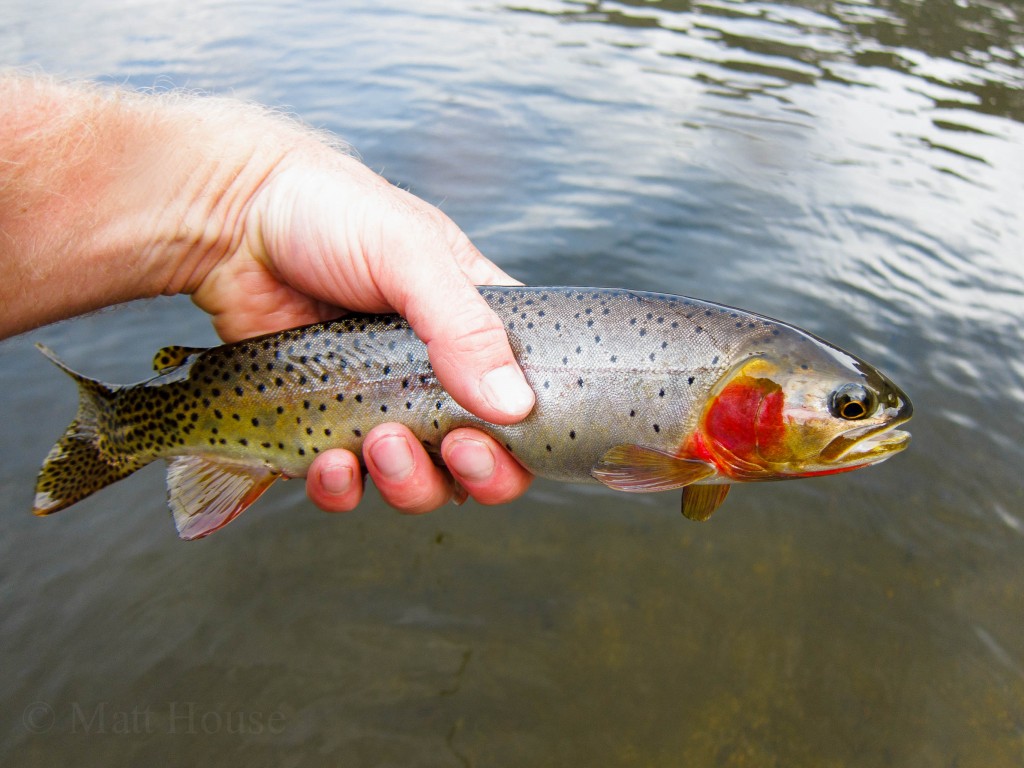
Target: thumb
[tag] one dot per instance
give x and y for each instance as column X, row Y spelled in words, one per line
column 471, row 355
column 466, row 340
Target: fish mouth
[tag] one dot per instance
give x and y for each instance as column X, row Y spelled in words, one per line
column 876, row 441
column 869, row 445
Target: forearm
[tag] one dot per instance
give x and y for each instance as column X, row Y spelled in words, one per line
column 108, row 196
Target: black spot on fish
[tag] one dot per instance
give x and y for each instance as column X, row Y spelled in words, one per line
column 657, row 428
column 689, row 380
column 255, row 422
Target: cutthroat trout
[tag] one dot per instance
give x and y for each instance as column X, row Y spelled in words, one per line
column 639, row 391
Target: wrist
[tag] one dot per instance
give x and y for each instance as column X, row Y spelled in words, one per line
column 108, row 196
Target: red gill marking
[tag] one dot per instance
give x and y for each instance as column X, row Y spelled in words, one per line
column 745, row 418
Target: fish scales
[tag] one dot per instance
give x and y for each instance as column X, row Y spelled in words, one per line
column 610, row 368
column 641, row 361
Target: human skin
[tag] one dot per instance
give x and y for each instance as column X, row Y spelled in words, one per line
column 108, row 196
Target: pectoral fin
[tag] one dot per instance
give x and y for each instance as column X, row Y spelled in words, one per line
column 700, row 501
column 205, row 494
column 636, row 469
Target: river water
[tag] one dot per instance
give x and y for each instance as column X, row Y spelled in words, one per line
column 856, row 168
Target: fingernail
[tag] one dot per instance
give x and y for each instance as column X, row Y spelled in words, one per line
column 336, row 479
column 505, row 389
column 470, row 459
column 392, row 457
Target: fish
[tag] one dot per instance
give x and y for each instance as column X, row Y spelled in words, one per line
column 639, row 391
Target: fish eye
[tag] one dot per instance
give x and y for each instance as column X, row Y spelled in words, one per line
column 851, row 402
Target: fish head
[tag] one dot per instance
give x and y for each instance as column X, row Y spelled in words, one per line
column 801, row 408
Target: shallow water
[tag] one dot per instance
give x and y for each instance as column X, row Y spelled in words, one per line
column 855, row 168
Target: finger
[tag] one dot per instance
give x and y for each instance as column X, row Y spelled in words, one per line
column 334, row 481
column 486, row 470
column 466, row 340
column 403, row 472
column 478, row 268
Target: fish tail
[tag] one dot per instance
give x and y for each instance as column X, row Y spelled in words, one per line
column 83, row 460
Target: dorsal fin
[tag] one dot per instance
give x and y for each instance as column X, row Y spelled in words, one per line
column 174, row 356
column 638, row 469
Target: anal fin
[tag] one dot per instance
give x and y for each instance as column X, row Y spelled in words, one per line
column 701, row 501
column 206, row 494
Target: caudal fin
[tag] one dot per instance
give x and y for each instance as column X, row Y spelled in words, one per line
column 83, row 460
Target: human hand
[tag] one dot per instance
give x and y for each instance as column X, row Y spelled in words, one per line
column 322, row 234
column 108, row 196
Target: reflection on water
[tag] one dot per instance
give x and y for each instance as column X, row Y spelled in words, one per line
column 853, row 167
